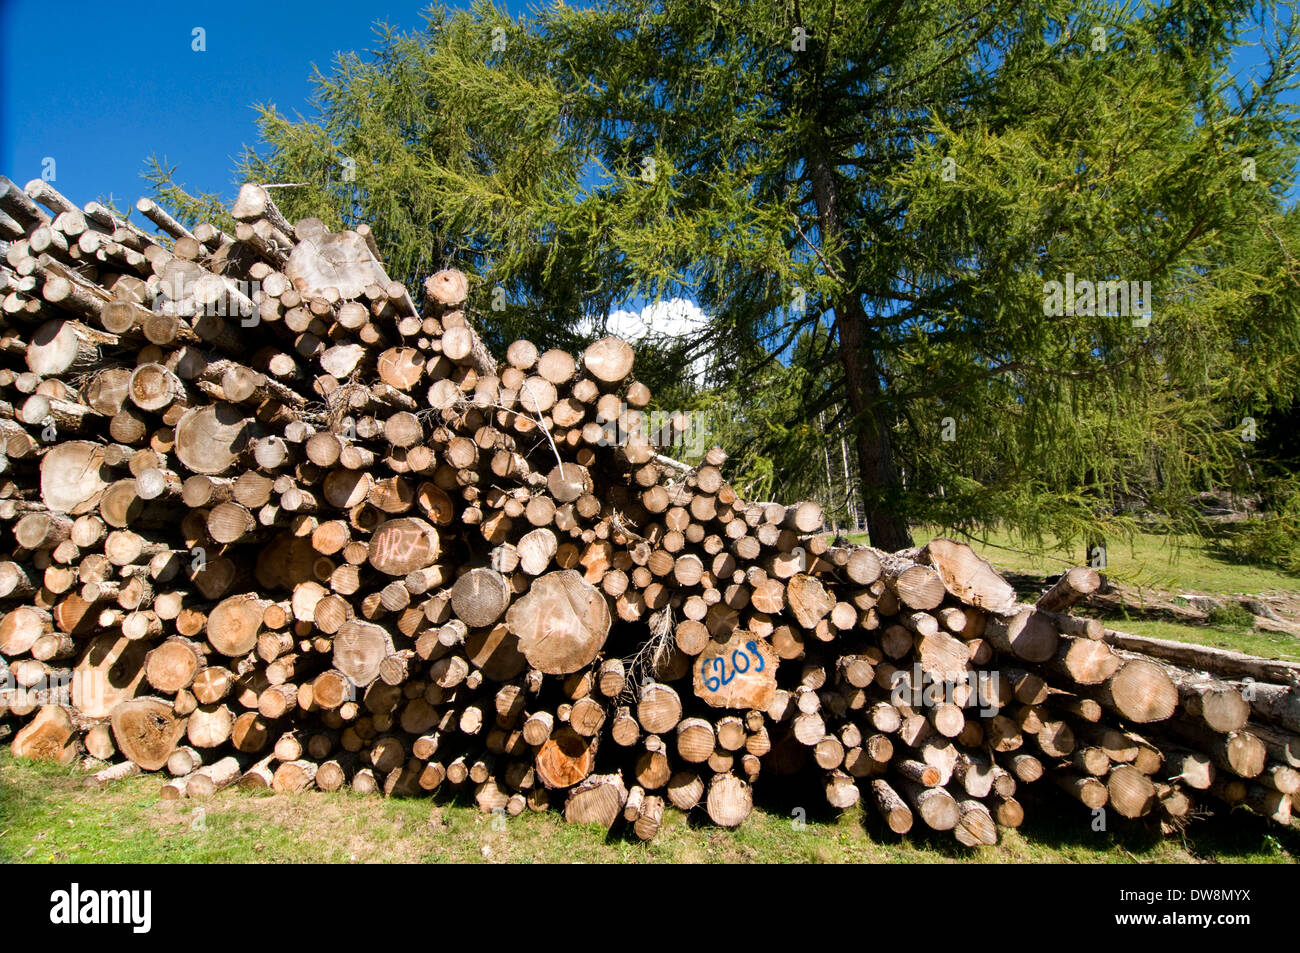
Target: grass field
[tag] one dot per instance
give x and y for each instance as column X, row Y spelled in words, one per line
column 1148, row 559
column 47, row 815
column 1151, row 564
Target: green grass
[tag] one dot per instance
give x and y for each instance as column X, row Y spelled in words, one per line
column 48, row 816
column 1255, row 642
column 1156, row 562
column 1174, row 563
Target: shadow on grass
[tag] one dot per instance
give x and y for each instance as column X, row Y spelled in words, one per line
column 1227, row 835
column 1055, row 830
column 1029, row 586
column 1225, row 549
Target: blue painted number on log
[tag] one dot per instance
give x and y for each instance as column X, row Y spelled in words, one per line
column 739, row 665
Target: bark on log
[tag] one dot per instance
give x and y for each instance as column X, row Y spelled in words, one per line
column 968, row 577
column 1075, row 584
column 1222, row 662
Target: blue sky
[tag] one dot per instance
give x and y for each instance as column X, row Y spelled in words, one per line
column 125, row 83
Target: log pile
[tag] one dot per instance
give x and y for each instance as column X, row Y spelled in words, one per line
column 267, row 522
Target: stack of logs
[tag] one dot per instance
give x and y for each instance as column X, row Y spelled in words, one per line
column 266, row 522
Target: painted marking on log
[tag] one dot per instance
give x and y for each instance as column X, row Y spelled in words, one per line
column 719, row 665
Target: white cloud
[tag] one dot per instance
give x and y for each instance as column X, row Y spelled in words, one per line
column 673, row 318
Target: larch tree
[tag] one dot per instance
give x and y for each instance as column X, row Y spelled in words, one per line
column 915, row 205
column 920, row 177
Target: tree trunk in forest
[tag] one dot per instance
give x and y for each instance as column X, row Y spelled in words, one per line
column 887, row 527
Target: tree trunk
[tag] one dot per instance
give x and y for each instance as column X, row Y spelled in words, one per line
column 886, row 526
